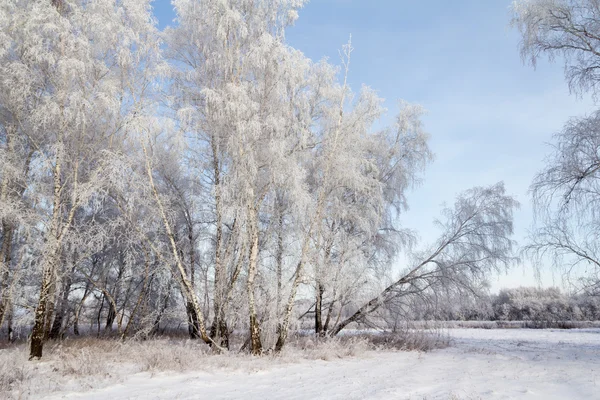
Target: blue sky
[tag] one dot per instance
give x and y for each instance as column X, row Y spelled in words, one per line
column 490, row 116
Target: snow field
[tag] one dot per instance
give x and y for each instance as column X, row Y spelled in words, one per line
column 481, row 364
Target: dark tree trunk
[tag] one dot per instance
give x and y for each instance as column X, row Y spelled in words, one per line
column 4, row 297
column 328, row 318
column 319, row 330
column 56, row 325
column 193, row 328
column 38, row 333
column 5, row 258
column 281, row 338
column 9, row 324
column 318, row 310
column 219, row 332
column 55, row 331
column 86, row 293
column 110, row 317
column 255, row 341
column 165, row 305
column 193, row 325
column 50, row 306
column 111, row 299
column 99, row 315
column 255, row 335
column 140, row 300
column 79, row 308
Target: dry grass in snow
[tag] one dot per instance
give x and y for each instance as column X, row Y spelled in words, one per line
column 88, row 363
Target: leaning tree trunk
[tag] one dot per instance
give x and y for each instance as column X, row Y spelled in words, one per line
column 193, row 328
column 110, row 316
column 376, row 302
column 314, row 226
column 186, row 286
column 141, row 296
column 282, row 329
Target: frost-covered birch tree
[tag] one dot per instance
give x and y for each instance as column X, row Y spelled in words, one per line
column 474, row 240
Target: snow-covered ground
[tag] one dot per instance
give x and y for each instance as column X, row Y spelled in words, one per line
column 480, row 364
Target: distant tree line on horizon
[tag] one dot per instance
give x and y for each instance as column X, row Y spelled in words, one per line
column 515, row 304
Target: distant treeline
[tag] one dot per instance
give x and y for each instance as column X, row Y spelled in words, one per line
column 518, row 304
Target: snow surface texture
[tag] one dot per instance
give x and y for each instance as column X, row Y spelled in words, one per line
column 481, row 364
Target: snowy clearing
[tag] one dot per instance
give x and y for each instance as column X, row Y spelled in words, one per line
column 481, row 364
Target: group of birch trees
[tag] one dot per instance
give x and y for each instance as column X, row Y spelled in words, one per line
column 209, row 175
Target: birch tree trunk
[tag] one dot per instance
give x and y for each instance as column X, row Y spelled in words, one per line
column 255, row 342
column 319, row 329
column 50, row 262
column 219, row 331
column 38, row 333
column 193, row 329
column 279, row 267
column 61, row 309
column 5, row 250
column 319, row 309
column 186, row 286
